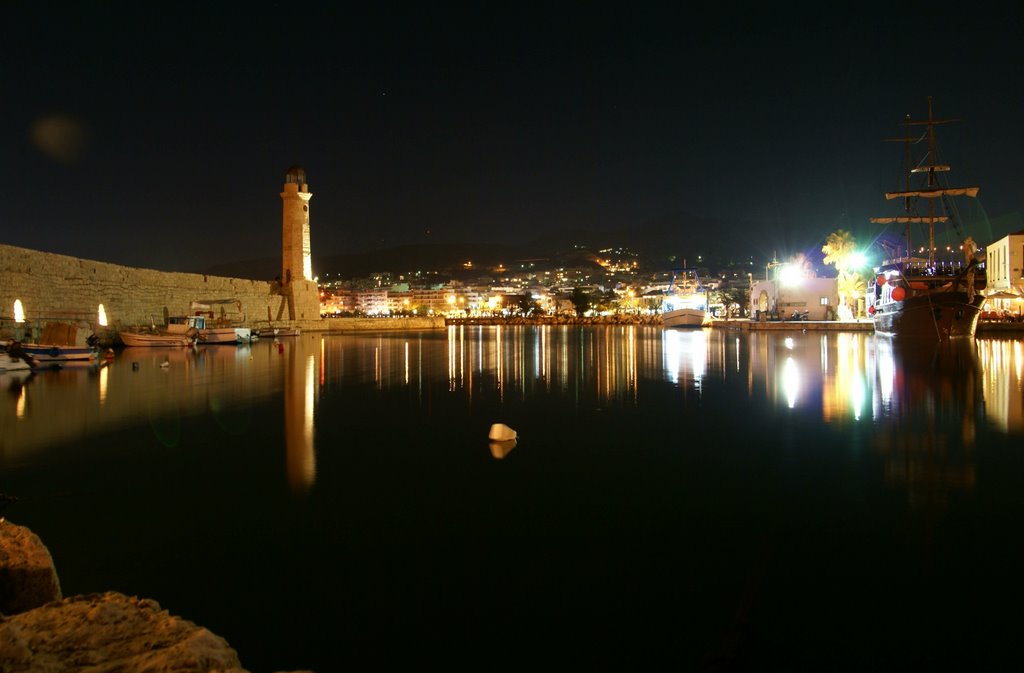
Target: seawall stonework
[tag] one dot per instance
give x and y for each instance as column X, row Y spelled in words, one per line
column 60, row 288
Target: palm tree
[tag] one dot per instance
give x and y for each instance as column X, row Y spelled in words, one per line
column 841, row 251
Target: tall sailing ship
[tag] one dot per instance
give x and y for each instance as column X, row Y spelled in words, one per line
column 921, row 297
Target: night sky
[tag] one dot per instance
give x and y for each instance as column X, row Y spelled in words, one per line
column 158, row 135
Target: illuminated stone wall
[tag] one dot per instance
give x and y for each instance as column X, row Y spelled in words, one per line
column 60, row 288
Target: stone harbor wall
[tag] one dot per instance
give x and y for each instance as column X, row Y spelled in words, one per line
column 56, row 288
column 41, row 631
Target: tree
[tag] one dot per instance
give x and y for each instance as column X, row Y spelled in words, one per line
column 841, row 252
column 735, row 300
column 606, row 300
column 525, row 304
column 580, row 301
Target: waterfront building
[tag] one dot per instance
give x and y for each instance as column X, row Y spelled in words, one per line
column 1004, row 270
column 793, row 291
column 336, row 302
column 371, row 302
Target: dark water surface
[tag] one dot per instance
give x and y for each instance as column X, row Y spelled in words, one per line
column 677, row 500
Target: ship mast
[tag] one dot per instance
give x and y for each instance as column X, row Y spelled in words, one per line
column 932, row 189
column 932, row 183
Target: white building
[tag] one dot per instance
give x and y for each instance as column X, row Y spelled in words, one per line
column 1004, row 273
column 782, row 296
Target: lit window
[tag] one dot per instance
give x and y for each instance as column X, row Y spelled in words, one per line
column 19, row 311
column 823, row 301
column 102, row 316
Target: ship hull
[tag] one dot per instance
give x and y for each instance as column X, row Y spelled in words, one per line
column 683, row 317
column 929, row 316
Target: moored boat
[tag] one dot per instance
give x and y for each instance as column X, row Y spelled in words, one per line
column 59, row 344
column 157, row 340
column 57, row 353
column 684, row 317
column 268, row 332
column 13, row 358
column 924, row 297
column 685, row 303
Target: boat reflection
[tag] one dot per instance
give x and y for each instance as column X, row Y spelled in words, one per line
column 855, row 376
column 927, row 439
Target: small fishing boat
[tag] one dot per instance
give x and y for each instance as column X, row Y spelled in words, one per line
column 204, row 331
column 57, row 345
column 157, row 340
column 57, row 353
column 270, row 332
column 216, row 327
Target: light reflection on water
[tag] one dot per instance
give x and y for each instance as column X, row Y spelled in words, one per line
column 654, row 468
column 843, row 376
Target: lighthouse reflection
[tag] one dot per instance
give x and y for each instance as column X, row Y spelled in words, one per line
column 299, row 419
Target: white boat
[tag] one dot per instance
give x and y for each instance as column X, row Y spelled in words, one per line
column 268, row 332
column 153, row 339
column 685, row 303
column 221, row 325
column 204, row 331
column 13, row 363
column 684, row 317
column 925, row 298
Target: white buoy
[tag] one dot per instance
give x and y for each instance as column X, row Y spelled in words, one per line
column 501, row 433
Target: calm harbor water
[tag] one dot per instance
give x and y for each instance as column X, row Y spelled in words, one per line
column 676, row 500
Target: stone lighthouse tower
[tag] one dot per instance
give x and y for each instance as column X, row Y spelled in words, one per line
column 296, row 257
column 297, row 286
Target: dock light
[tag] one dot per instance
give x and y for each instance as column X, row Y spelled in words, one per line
column 858, row 260
column 789, row 275
column 19, row 311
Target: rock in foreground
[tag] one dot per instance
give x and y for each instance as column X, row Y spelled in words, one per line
column 107, row 633
column 27, row 576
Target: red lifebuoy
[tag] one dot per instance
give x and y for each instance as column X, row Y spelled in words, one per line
column 899, row 294
column 871, row 310
column 880, row 280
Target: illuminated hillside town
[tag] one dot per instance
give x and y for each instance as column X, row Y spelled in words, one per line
column 613, row 284
column 617, row 284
